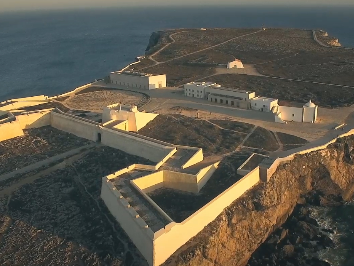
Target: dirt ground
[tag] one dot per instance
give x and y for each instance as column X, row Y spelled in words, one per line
column 96, row 99
column 288, row 53
column 182, row 130
column 36, row 145
column 59, row 219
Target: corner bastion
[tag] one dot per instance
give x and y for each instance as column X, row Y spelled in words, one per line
column 125, row 193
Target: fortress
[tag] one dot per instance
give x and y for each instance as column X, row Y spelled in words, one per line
column 126, row 192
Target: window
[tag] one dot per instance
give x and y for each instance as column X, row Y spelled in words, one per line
column 263, row 105
column 215, row 100
column 211, row 99
column 227, row 102
column 255, row 104
column 293, row 115
column 232, row 103
column 221, row 101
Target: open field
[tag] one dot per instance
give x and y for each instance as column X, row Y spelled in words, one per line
column 323, row 95
column 36, row 145
column 287, row 53
column 182, row 130
column 59, row 219
column 180, row 205
column 192, row 40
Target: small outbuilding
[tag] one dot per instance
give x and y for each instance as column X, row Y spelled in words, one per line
column 235, row 64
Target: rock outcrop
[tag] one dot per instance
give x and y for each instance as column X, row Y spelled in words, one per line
column 155, row 37
column 235, row 235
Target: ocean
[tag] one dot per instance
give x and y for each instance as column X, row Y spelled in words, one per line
column 51, row 52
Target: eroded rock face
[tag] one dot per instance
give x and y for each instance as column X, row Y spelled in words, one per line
column 153, row 41
column 325, row 175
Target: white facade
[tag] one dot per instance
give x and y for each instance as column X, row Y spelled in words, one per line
column 306, row 114
column 263, row 104
column 235, row 64
column 138, row 80
column 232, row 93
column 198, row 89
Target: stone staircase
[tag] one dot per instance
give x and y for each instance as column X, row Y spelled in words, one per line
column 145, row 210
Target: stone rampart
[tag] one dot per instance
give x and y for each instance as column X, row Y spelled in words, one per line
column 136, row 145
column 196, row 158
column 174, row 235
column 133, row 225
column 80, row 127
column 268, row 168
column 10, row 130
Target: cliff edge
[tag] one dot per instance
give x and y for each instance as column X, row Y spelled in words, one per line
column 235, row 235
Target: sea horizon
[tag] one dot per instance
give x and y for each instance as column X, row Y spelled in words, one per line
column 53, row 51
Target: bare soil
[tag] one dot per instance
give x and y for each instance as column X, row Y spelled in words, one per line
column 61, row 220
column 95, row 99
column 287, row 139
column 180, row 205
column 36, row 145
column 263, row 139
column 182, row 130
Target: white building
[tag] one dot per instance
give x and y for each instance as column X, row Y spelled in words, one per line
column 138, row 80
column 263, row 104
column 124, row 117
column 198, row 89
column 235, row 64
column 307, row 114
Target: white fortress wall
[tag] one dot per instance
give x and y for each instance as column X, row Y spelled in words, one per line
column 35, row 119
column 180, row 181
column 135, row 144
column 196, row 158
column 75, row 125
column 173, row 236
column 205, row 174
column 150, row 182
column 133, row 225
column 142, row 119
column 10, row 130
column 320, row 144
column 168, row 156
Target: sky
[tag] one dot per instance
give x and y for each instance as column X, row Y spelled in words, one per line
column 13, row 5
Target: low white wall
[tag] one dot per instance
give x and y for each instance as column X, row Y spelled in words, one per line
column 75, row 126
column 16, row 104
column 173, row 236
column 134, row 226
column 135, row 145
column 73, row 91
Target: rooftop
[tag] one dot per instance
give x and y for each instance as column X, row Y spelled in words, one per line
column 138, row 74
column 236, row 90
column 264, row 99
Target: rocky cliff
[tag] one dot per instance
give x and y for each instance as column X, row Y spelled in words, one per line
column 235, row 235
